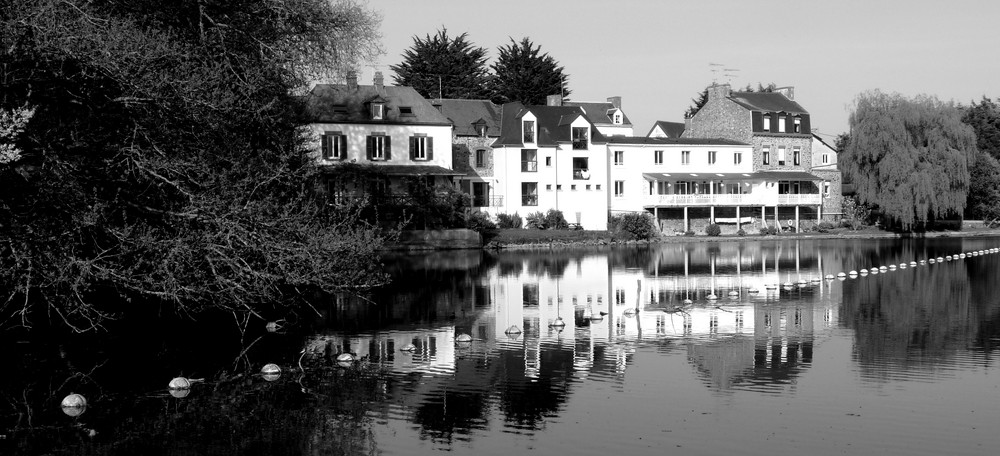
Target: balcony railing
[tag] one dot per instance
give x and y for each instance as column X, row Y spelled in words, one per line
column 745, row 199
column 487, row 201
column 529, row 200
column 529, row 166
column 581, row 174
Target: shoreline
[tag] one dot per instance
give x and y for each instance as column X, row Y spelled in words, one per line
column 607, row 240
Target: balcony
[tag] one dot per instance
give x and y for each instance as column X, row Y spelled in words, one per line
column 529, row 166
column 745, row 199
column 581, row 174
column 487, row 201
column 529, row 200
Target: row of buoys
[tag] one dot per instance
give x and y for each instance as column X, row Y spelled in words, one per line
column 892, row 267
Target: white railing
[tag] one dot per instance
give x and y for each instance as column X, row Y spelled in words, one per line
column 747, row 199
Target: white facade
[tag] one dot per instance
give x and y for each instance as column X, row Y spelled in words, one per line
column 536, row 179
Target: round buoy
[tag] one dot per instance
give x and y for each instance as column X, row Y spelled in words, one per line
column 74, row 405
column 815, row 280
column 734, row 293
column 882, row 268
column 513, row 329
column 892, row 267
column 853, row 272
column 830, row 276
column 841, row 274
column 947, row 258
column 939, row 259
column 913, row 263
column 961, row 255
column 558, row 323
column 596, row 318
column 688, row 301
column 179, row 383
column 864, row 272
column 753, row 291
column 841, row 278
column 923, row 261
column 463, row 338
column 930, row 261
column 711, row 297
column 408, row 348
column 345, row 358
column 270, row 372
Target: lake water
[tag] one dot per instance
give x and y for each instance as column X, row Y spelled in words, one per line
column 699, row 348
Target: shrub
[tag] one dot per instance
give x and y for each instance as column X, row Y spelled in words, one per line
column 689, row 233
column 509, row 221
column 824, row 225
column 769, row 231
column 740, row 232
column 554, row 220
column 483, row 224
column 713, row 229
column 535, row 221
column 634, row 225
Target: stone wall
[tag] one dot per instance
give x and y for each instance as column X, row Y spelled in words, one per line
column 833, row 207
column 464, row 155
column 721, row 118
column 789, row 141
column 437, row 240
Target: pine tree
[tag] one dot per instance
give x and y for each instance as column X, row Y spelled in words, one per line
column 443, row 67
column 910, row 159
column 522, row 73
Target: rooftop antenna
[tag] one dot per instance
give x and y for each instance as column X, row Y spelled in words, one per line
column 729, row 73
column 713, row 67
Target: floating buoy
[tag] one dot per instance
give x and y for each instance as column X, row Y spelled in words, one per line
column 463, row 339
column 802, row 283
column 913, row 263
column 815, row 280
column 892, row 267
column 74, row 404
column 771, row 286
column 841, row 278
column 179, row 383
column 711, row 297
column 882, row 268
column 853, row 272
column 346, row 358
column 923, row 261
column 753, row 291
column 512, row 330
column 270, row 372
column 939, row 259
column 558, row 323
column 864, row 272
column 413, row 348
column 734, row 293
column 930, row 261
column 841, row 274
column 597, row 318
column 830, row 276
column 961, row 255
column 947, row 258
column 688, row 301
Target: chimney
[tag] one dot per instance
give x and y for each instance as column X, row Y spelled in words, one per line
column 378, row 81
column 787, row 91
column 553, row 100
column 352, row 80
column 615, row 101
column 718, row 91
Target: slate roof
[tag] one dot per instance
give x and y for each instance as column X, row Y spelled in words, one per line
column 322, row 99
column 465, row 113
column 552, row 125
column 597, row 111
column 646, row 140
column 672, row 129
column 767, row 102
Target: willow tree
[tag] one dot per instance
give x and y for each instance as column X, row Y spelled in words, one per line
column 909, row 158
column 165, row 161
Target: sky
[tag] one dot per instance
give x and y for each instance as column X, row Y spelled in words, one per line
column 659, row 54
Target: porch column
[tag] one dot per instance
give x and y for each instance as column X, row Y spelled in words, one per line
column 796, row 218
column 686, row 219
column 711, row 214
column 777, row 222
column 763, row 216
column 656, row 218
column 739, row 223
column 819, row 214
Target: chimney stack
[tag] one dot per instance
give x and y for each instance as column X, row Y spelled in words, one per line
column 718, row 91
column 553, row 100
column 615, row 101
column 378, row 81
column 352, row 80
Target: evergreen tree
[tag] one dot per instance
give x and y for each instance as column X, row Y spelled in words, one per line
column 164, row 162
column 909, row 158
column 522, row 74
column 443, row 67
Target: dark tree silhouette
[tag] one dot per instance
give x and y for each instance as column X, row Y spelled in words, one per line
column 440, row 66
column 522, row 73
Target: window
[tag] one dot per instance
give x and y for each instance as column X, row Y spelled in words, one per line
column 663, row 188
column 737, row 157
column 766, row 152
column 572, row 187
column 528, row 130
column 619, row 157
column 597, row 187
column 548, row 187
column 798, row 124
column 657, row 157
column 378, row 111
column 529, row 193
column 781, row 155
column 796, row 151
column 619, row 189
column 481, row 130
column 558, row 187
column 581, row 168
column 379, row 147
column 588, row 187
column 826, row 158
column 529, row 163
column 767, row 122
column 711, row 157
column 334, row 145
column 548, row 162
column 481, row 158
column 685, row 157
column 405, row 111
column 826, row 189
column 781, row 124
column 580, row 135
column 421, row 148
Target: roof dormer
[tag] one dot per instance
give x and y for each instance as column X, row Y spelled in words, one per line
column 376, row 108
column 616, row 116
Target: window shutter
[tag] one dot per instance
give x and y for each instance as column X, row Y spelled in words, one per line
column 342, row 139
column 325, row 145
column 758, row 121
column 430, row 148
column 388, row 148
column 805, row 124
column 370, row 144
column 413, row 147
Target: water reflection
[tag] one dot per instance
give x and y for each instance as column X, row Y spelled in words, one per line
column 565, row 342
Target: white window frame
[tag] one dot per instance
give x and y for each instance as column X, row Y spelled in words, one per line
column 781, row 155
column 685, row 157
column 711, row 157
column 657, row 157
column 619, row 157
column 619, row 189
column 798, row 124
column 826, row 158
column 378, row 147
column 766, row 154
column 781, row 124
column 737, row 157
column 528, row 131
column 767, row 122
column 420, row 152
column 796, row 155
column 378, row 111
